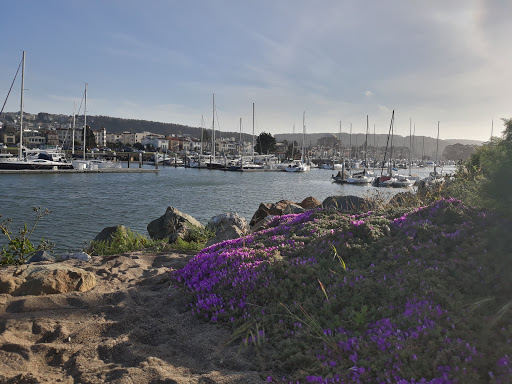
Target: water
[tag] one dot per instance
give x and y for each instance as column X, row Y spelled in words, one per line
column 82, row 205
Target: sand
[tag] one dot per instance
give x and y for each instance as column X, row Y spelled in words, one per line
column 130, row 328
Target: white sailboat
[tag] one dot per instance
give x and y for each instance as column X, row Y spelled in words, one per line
column 92, row 164
column 23, row 162
column 402, row 181
column 364, row 177
column 300, row 165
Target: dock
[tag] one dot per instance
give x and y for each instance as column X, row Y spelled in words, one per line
column 99, row 170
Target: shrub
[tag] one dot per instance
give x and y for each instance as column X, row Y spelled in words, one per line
column 19, row 247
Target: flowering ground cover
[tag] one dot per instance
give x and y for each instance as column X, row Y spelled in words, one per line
column 401, row 296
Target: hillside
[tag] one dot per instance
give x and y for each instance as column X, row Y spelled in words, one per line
column 426, row 145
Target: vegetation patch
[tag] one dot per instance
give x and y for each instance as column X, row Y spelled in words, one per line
column 125, row 240
column 403, row 295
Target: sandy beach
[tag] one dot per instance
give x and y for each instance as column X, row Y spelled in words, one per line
column 130, row 328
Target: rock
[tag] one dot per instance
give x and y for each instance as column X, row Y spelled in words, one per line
column 310, row 203
column 347, row 203
column 262, row 224
column 46, row 279
column 107, row 233
column 41, row 256
column 173, row 225
column 262, row 212
column 293, row 209
column 227, row 226
column 279, row 208
column 78, row 256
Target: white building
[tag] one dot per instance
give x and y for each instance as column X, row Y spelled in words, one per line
column 158, row 142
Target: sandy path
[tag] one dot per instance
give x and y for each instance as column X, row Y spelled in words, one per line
column 128, row 329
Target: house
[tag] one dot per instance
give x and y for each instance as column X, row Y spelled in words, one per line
column 158, row 142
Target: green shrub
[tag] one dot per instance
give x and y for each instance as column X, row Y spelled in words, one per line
column 19, row 248
column 122, row 241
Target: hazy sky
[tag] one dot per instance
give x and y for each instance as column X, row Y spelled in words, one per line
column 436, row 60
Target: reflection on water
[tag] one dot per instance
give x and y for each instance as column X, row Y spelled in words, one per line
column 83, row 204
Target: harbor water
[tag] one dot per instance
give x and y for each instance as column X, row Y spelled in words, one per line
column 83, row 204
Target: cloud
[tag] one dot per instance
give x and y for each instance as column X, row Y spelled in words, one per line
column 369, row 93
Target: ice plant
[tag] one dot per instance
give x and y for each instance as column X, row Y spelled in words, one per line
column 397, row 312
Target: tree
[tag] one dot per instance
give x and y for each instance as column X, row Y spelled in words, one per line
column 507, row 133
column 138, row 146
column 458, row 151
column 265, row 143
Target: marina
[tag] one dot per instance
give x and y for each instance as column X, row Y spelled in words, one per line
column 83, row 203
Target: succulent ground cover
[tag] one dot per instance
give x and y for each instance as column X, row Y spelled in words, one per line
column 417, row 295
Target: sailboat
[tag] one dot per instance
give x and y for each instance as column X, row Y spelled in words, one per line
column 364, row 177
column 435, row 177
column 300, row 165
column 387, row 180
column 9, row 162
column 403, row 181
column 92, row 164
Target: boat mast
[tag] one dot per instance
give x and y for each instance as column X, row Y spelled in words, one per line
column 293, row 143
column 391, row 150
column 21, row 107
column 350, row 143
column 240, row 142
column 85, row 117
column 73, row 131
column 303, row 136
column 213, row 128
column 366, row 144
column 253, row 133
column 387, row 142
column 423, row 150
column 410, row 145
column 339, row 145
column 437, row 147
column 202, row 135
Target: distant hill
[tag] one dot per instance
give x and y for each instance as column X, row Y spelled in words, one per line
column 421, row 145
column 463, row 141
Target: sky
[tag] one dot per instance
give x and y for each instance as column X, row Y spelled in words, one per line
column 326, row 63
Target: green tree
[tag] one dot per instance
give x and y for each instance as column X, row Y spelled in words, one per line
column 488, row 173
column 265, row 143
column 458, row 151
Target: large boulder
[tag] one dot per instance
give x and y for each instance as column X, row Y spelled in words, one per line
column 173, row 225
column 347, row 203
column 227, row 226
column 46, row 279
column 282, row 207
column 310, row 203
